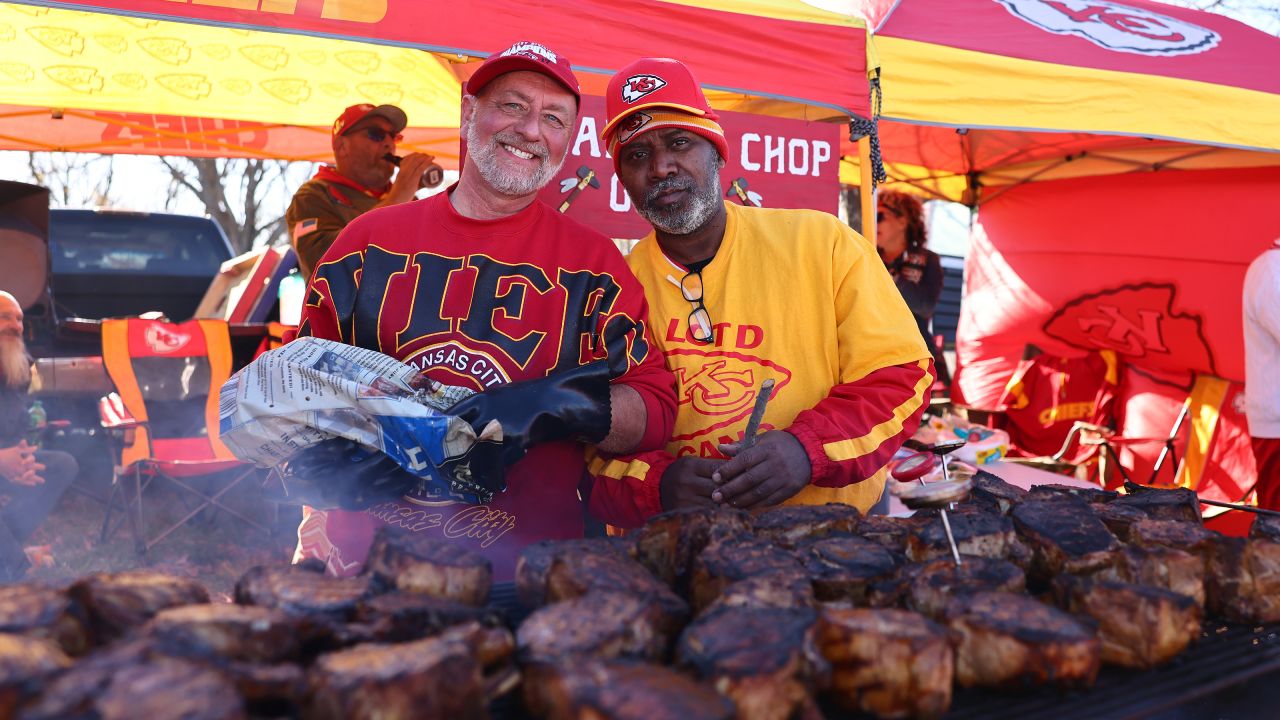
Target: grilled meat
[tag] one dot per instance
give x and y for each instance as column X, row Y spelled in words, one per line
column 1093, row 496
column 668, row 543
column 119, row 602
column 1174, row 504
column 129, row 681
column 229, row 632
column 26, row 664
column 269, row 691
column 891, row 663
column 574, row 575
column 790, row 525
column 1242, row 580
column 976, row 531
column 1009, row 640
column 1119, row 519
column 1064, row 536
column 603, row 625
column 596, row 690
column 415, row 563
column 765, row 660
column 1265, row 527
column 439, row 677
column 301, row 591
column 536, row 561
column 933, row 585
column 995, row 493
column 779, row 590
column 1139, row 626
column 1160, row 567
column 842, row 567
column 1179, row 534
column 401, row 616
column 891, row 532
column 727, row 562
column 37, row 611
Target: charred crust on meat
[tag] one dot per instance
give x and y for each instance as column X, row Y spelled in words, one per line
column 303, row 592
column 42, row 612
column 535, row 562
column 843, row 566
column 119, row 602
column 601, row 625
column 1163, row 504
column 623, row 690
column 790, row 525
column 724, row 563
column 1093, row 496
column 416, row 563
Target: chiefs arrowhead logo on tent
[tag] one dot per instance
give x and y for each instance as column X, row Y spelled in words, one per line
column 1138, row 322
column 1121, row 28
column 637, row 86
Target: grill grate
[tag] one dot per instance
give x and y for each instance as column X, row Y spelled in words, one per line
column 1224, row 656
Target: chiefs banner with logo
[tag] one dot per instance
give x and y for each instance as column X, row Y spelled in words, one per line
column 773, row 162
column 1149, row 266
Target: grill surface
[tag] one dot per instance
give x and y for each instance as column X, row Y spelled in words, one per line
column 1224, row 657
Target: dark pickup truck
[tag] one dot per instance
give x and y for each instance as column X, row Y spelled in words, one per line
column 109, row 264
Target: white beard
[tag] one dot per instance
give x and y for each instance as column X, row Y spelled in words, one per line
column 485, row 156
column 15, row 364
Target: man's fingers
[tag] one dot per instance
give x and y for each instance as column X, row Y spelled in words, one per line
column 736, row 466
column 742, row 490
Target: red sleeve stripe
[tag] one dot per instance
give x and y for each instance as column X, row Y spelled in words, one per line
column 854, row 448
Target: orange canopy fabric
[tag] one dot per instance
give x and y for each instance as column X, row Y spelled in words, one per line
column 265, row 78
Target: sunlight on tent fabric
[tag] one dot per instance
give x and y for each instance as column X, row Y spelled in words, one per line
column 52, row 58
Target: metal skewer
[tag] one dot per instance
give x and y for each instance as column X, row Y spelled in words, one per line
column 940, row 494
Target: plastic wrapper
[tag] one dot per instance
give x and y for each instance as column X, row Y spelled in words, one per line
column 324, row 399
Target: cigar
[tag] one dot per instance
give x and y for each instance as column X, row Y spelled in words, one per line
column 757, row 413
column 431, row 177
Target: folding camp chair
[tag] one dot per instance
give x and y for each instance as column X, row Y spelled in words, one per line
column 163, row 417
column 1198, row 420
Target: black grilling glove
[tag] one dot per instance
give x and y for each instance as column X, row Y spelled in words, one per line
column 569, row 404
column 339, row 473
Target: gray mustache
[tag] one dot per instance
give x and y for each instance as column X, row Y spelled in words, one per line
column 667, row 185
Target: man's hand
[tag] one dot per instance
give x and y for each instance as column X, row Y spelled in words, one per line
column 18, row 465
column 408, row 180
column 688, row 482
column 763, row 475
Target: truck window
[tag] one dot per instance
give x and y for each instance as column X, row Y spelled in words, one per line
column 129, row 243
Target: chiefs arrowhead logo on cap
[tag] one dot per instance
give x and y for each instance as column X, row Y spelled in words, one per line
column 637, row 86
column 629, row 127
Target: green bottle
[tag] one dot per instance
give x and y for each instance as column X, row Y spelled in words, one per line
column 37, row 420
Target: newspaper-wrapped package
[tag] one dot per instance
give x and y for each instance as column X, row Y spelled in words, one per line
column 311, row 391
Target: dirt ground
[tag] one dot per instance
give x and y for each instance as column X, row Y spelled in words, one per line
column 214, row 547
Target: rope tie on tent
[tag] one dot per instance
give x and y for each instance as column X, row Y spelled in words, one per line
column 862, row 127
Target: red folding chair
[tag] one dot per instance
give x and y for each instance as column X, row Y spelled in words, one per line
column 163, row 417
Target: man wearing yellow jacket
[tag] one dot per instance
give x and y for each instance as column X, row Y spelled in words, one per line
column 738, row 295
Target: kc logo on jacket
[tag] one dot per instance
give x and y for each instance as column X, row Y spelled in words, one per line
column 1117, row 27
column 720, row 386
column 637, row 86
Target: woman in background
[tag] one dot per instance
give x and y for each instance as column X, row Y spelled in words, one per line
column 900, row 239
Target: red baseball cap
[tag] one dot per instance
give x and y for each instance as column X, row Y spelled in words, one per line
column 526, row 55
column 639, row 92
column 356, row 113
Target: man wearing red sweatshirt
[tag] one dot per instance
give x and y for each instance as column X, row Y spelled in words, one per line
column 486, row 287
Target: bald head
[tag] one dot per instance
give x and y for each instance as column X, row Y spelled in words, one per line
column 15, row 364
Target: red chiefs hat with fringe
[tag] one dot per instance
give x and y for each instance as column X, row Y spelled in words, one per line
column 653, row 93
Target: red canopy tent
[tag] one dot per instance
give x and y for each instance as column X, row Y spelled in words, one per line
column 1122, row 158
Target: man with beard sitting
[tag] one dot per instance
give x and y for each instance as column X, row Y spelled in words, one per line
column 486, row 287
column 741, row 294
column 31, row 480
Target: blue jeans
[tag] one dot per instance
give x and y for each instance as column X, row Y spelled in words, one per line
column 25, row 507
